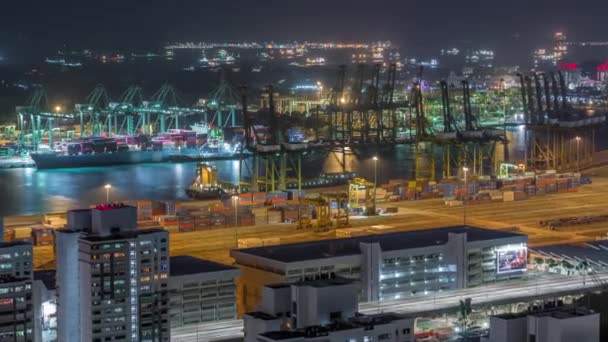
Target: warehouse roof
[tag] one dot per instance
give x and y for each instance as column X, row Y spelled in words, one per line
column 388, row 242
column 367, row 322
column 121, row 235
column 559, row 312
column 594, row 251
column 185, row 265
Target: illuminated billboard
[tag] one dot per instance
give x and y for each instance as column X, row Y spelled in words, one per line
column 511, row 259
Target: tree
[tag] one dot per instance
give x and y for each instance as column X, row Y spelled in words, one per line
column 465, row 310
column 568, row 266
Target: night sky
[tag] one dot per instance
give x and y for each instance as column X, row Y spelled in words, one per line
column 417, row 26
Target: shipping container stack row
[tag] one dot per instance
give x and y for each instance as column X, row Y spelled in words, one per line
column 263, row 208
column 402, row 189
column 176, row 217
column 260, row 199
column 39, row 235
column 482, row 189
column 508, row 190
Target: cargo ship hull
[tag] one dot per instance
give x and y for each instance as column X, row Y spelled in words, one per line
column 59, row 161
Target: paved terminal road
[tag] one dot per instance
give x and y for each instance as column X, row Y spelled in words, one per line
column 589, row 200
column 511, row 291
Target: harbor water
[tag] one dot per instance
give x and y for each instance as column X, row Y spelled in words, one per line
column 31, row 191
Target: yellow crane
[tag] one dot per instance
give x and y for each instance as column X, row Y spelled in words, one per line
column 322, row 205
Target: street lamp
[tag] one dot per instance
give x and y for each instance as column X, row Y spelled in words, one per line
column 466, row 192
column 375, row 158
column 107, row 187
column 235, row 203
column 578, row 144
column 57, row 109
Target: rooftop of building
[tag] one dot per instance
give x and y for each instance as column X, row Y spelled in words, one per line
column 111, row 206
column 185, row 265
column 278, row 285
column 324, row 282
column 388, row 242
column 47, row 277
column 283, row 335
column 564, row 312
column 559, row 312
column 360, row 321
column 79, row 210
column 380, row 318
column 121, row 235
column 262, row 315
column 591, row 251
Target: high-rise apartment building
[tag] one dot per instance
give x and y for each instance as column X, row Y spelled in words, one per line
column 16, row 309
column 112, row 279
column 560, row 48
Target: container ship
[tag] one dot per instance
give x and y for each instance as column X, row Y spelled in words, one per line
column 121, row 150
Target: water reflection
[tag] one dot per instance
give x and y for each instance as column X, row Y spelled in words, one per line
column 30, row 191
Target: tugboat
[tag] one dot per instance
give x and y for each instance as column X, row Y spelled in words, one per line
column 205, row 185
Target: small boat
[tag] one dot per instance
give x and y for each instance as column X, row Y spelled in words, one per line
column 205, row 185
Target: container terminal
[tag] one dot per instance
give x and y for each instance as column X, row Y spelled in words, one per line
column 316, row 188
column 447, row 126
column 463, row 173
column 458, row 135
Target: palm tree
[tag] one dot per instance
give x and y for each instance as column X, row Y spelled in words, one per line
column 465, row 310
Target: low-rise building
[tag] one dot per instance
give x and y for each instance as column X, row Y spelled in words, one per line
column 558, row 324
column 381, row 327
column 321, row 310
column 389, row 266
column 201, row 291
